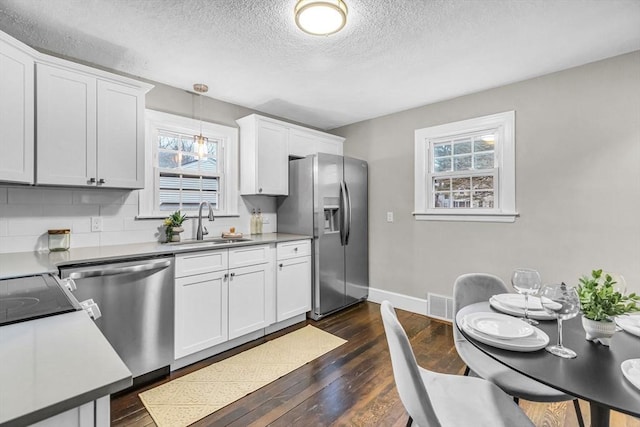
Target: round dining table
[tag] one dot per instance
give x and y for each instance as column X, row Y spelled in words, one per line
column 594, row 375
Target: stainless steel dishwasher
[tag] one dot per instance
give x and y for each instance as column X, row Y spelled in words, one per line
column 136, row 299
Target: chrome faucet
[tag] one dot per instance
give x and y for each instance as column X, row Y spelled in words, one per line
column 202, row 231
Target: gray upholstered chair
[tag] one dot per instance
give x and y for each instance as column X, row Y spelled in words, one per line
column 434, row 400
column 478, row 287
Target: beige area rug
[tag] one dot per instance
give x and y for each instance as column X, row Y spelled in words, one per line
column 194, row 396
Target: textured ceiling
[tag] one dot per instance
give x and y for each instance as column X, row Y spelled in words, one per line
column 392, row 55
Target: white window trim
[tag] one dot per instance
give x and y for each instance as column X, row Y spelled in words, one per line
column 228, row 135
column 504, row 123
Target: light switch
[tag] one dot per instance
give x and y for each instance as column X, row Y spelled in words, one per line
column 389, row 216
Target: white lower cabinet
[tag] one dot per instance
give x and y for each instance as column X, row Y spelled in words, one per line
column 222, row 294
column 294, row 287
column 293, row 283
column 250, row 299
column 201, row 312
column 92, row 414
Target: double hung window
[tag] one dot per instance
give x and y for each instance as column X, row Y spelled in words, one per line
column 182, row 173
column 465, row 170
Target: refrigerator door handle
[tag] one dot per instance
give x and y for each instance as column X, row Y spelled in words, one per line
column 347, row 214
column 343, row 213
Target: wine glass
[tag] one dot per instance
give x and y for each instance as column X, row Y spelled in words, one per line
column 526, row 281
column 561, row 301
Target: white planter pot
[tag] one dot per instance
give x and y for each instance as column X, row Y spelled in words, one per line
column 176, row 234
column 599, row 331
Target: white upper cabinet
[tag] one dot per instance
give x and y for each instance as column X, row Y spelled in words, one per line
column 16, row 111
column 263, row 157
column 90, row 129
column 120, row 149
column 303, row 142
column 265, row 147
column 66, row 105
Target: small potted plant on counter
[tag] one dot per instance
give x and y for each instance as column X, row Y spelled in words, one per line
column 173, row 224
column 600, row 303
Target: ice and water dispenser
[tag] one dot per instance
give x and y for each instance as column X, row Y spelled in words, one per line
column 331, row 215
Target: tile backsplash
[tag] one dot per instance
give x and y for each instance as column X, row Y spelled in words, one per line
column 26, row 213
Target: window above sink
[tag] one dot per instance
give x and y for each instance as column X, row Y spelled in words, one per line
column 179, row 174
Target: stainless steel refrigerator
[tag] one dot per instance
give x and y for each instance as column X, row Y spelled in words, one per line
column 328, row 199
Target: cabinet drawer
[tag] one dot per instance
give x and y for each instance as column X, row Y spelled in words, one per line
column 294, row 249
column 249, row 255
column 201, row 262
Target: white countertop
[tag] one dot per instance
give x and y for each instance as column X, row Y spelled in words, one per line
column 53, row 364
column 28, row 263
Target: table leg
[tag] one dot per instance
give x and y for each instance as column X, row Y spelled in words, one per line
column 599, row 415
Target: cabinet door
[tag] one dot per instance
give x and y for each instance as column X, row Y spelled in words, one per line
column 16, row 115
column 326, row 145
column 293, row 287
column 66, row 127
column 272, row 160
column 301, row 144
column 201, row 312
column 251, row 299
column 120, row 137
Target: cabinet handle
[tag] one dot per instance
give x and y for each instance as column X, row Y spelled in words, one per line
column 281, row 265
column 92, row 180
column 233, row 274
column 101, row 181
column 226, row 276
column 295, row 249
column 260, row 190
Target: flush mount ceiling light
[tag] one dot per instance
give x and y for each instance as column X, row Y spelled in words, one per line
column 321, row 17
column 201, row 141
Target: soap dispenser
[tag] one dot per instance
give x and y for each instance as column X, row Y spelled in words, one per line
column 254, row 220
column 259, row 222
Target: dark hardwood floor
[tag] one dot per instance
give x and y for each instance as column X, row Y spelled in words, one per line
column 349, row 386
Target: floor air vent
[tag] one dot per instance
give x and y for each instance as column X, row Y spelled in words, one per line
column 440, row 306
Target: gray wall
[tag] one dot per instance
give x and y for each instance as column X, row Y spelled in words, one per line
column 577, row 184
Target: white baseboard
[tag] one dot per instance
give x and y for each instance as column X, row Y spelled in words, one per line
column 403, row 302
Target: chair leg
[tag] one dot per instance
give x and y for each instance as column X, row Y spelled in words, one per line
column 410, row 421
column 466, row 371
column 517, row 400
column 576, row 405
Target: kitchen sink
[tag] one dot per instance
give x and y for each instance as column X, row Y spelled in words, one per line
column 210, row 242
column 230, row 239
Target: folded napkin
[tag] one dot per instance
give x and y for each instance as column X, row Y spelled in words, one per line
column 517, row 301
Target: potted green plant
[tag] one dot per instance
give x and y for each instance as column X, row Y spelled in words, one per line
column 600, row 303
column 173, row 224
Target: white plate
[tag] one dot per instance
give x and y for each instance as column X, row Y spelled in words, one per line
column 499, row 325
column 630, row 324
column 517, row 301
column 631, row 371
column 537, row 341
column 533, row 314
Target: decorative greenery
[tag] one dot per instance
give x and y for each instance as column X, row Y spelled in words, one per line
column 600, row 301
column 172, row 221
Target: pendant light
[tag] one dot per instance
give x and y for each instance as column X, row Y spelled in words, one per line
column 200, row 140
column 321, row 17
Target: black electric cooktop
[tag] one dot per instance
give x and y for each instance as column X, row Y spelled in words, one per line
column 32, row 297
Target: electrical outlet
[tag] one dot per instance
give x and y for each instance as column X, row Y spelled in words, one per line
column 96, row 223
column 265, row 219
column 389, row 216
